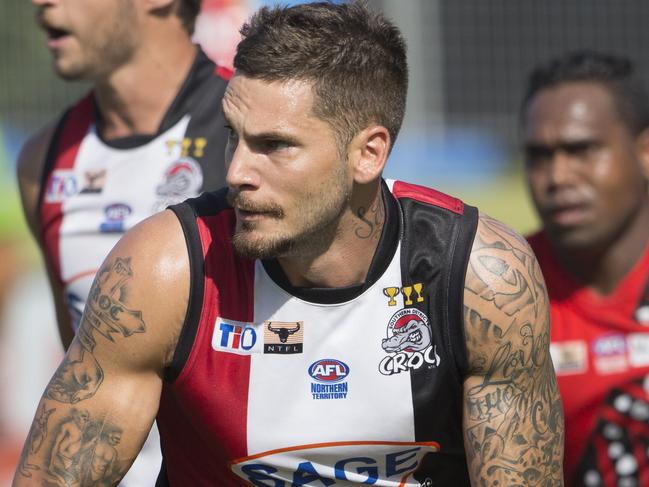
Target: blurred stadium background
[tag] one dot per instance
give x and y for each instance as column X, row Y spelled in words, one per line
column 468, row 59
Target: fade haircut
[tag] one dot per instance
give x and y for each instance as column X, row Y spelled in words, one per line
column 355, row 60
column 188, row 10
column 615, row 73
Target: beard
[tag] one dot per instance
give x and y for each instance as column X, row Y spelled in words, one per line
column 316, row 227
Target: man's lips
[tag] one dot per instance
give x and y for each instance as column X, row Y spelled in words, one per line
column 55, row 35
column 255, row 214
column 568, row 215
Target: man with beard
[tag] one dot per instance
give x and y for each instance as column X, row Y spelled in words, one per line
column 585, row 120
column 253, row 319
column 149, row 134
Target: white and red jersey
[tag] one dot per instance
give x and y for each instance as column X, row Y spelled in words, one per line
column 283, row 386
column 600, row 351
column 94, row 190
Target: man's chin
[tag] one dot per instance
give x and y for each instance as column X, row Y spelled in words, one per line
column 571, row 239
column 70, row 71
column 249, row 247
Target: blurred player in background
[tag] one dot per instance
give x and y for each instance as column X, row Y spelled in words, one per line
column 149, row 134
column 585, row 120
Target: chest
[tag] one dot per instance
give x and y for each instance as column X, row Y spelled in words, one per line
column 321, row 390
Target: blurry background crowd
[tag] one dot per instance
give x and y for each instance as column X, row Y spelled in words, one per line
column 469, row 60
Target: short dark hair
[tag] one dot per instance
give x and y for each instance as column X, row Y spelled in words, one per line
column 188, row 10
column 354, row 58
column 615, row 73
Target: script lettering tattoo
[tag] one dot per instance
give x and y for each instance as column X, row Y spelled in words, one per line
column 35, row 439
column 79, row 376
column 372, row 220
column 514, row 433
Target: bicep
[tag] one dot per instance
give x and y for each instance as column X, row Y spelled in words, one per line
column 100, row 403
column 512, row 411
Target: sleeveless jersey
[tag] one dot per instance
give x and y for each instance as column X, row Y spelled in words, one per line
column 279, row 386
column 600, row 350
column 93, row 190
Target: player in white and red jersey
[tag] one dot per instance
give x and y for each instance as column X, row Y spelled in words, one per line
column 313, row 324
column 149, row 134
column 585, row 122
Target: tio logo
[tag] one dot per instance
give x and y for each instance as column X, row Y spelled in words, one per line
column 62, row 185
column 234, row 336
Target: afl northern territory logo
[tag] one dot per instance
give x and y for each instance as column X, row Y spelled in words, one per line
column 409, row 343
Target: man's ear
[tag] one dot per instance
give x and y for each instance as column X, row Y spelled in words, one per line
column 368, row 153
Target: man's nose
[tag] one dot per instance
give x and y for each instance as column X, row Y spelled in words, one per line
column 242, row 171
column 561, row 170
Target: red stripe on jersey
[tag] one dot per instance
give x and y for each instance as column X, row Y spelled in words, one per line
column 427, row 195
column 213, row 384
column 71, row 136
column 223, row 72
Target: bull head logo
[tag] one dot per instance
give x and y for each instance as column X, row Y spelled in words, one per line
column 284, row 333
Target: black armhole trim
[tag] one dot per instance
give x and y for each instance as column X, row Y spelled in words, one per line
column 467, row 228
column 187, row 218
column 162, row 480
column 50, row 158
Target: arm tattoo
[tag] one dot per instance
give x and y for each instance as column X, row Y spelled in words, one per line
column 371, row 220
column 79, row 376
column 81, row 451
column 35, row 439
column 514, row 415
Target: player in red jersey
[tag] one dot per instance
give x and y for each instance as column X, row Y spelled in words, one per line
column 585, row 120
column 313, row 324
column 149, row 134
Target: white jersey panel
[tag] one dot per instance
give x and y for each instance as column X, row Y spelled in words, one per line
column 115, row 189
column 341, row 343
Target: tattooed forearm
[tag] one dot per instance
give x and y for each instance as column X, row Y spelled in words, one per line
column 513, row 414
column 371, row 220
column 81, row 450
column 106, row 314
column 35, row 439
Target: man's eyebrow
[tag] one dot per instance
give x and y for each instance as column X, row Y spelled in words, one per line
column 270, row 135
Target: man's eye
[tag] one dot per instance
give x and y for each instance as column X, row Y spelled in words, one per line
column 275, row 145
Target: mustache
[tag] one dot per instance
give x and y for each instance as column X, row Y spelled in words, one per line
column 236, row 200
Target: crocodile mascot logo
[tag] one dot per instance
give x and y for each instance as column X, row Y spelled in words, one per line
column 410, row 332
column 409, row 343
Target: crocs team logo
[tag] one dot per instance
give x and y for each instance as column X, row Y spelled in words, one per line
column 409, row 343
column 184, row 178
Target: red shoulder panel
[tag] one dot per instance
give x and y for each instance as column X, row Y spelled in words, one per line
column 223, row 72
column 427, row 195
